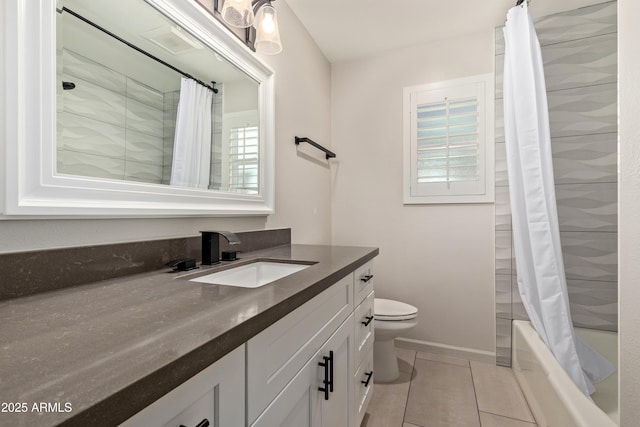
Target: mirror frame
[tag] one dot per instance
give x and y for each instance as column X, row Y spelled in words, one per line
column 31, row 188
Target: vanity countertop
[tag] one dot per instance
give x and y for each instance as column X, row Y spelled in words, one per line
column 110, row 348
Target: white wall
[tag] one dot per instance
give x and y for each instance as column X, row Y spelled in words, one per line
column 436, row 257
column 240, row 95
column 303, row 108
column 629, row 208
column 303, row 81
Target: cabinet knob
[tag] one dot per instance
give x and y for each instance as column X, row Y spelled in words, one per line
column 368, row 375
column 366, row 278
column 367, row 320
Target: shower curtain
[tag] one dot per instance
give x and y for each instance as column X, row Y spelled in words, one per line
column 536, row 236
column 192, row 143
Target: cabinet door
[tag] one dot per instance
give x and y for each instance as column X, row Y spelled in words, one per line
column 278, row 353
column 301, row 403
column 298, row 404
column 215, row 394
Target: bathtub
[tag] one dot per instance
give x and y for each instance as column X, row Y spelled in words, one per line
column 553, row 398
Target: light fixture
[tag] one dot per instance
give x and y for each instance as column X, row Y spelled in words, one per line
column 267, row 32
column 262, row 16
column 238, row 13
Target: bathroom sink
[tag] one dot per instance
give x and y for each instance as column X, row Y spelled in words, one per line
column 252, row 275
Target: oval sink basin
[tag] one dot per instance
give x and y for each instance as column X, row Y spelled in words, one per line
column 252, row 275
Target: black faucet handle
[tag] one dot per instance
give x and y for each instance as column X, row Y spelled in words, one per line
column 229, row 255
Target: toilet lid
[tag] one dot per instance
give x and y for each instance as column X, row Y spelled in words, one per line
column 387, row 309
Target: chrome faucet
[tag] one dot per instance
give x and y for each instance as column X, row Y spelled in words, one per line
column 211, row 245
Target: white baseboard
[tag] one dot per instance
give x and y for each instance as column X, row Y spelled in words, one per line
column 448, row 350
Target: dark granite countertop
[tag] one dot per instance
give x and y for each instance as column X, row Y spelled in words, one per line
column 113, row 347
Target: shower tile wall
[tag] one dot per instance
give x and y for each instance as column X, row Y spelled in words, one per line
column 170, row 113
column 109, row 126
column 579, row 51
column 216, row 139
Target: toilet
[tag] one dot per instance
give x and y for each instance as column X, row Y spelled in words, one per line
column 392, row 319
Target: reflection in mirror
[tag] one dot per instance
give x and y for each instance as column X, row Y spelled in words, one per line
column 132, row 116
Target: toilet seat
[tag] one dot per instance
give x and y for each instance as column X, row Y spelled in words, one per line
column 390, row 310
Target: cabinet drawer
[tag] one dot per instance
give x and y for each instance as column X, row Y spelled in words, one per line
column 196, row 413
column 363, row 282
column 363, row 329
column 362, row 388
column 215, row 394
column 276, row 354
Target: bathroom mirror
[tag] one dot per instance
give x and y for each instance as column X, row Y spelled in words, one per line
column 129, row 122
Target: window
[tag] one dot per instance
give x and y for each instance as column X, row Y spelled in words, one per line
column 240, row 152
column 243, row 158
column 448, row 141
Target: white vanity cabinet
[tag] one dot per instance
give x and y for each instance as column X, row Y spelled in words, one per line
column 216, row 394
column 326, row 344
column 311, row 368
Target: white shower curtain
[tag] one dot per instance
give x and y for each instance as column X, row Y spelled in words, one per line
column 192, row 143
column 536, row 237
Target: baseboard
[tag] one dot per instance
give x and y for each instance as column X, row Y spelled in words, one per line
column 448, row 350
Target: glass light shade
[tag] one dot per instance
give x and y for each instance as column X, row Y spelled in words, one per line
column 267, row 32
column 238, row 13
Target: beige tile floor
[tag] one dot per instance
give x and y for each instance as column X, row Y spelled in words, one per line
column 441, row 391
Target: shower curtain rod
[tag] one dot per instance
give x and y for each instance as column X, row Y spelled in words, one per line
column 144, row 52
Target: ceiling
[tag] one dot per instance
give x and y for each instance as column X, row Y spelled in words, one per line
column 348, row 29
column 134, row 20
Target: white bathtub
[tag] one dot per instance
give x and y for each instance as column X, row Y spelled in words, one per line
column 553, row 397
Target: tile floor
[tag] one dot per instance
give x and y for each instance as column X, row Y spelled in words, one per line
column 442, row 391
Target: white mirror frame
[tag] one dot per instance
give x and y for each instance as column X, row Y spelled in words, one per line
column 31, row 188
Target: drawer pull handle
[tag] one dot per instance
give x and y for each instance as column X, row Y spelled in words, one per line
column 366, row 322
column 366, row 382
column 203, row 423
column 366, row 278
column 327, row 382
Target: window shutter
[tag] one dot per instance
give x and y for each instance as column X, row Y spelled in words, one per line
column 447, row 141
column 243, row 158
column 447, row 157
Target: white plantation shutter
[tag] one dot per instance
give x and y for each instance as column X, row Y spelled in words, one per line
column 446, row 148
column 243, row 158
column 447, row 141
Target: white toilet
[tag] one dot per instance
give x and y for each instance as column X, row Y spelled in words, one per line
column 392, row 319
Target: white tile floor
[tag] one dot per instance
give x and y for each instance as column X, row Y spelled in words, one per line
column 441, row 391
